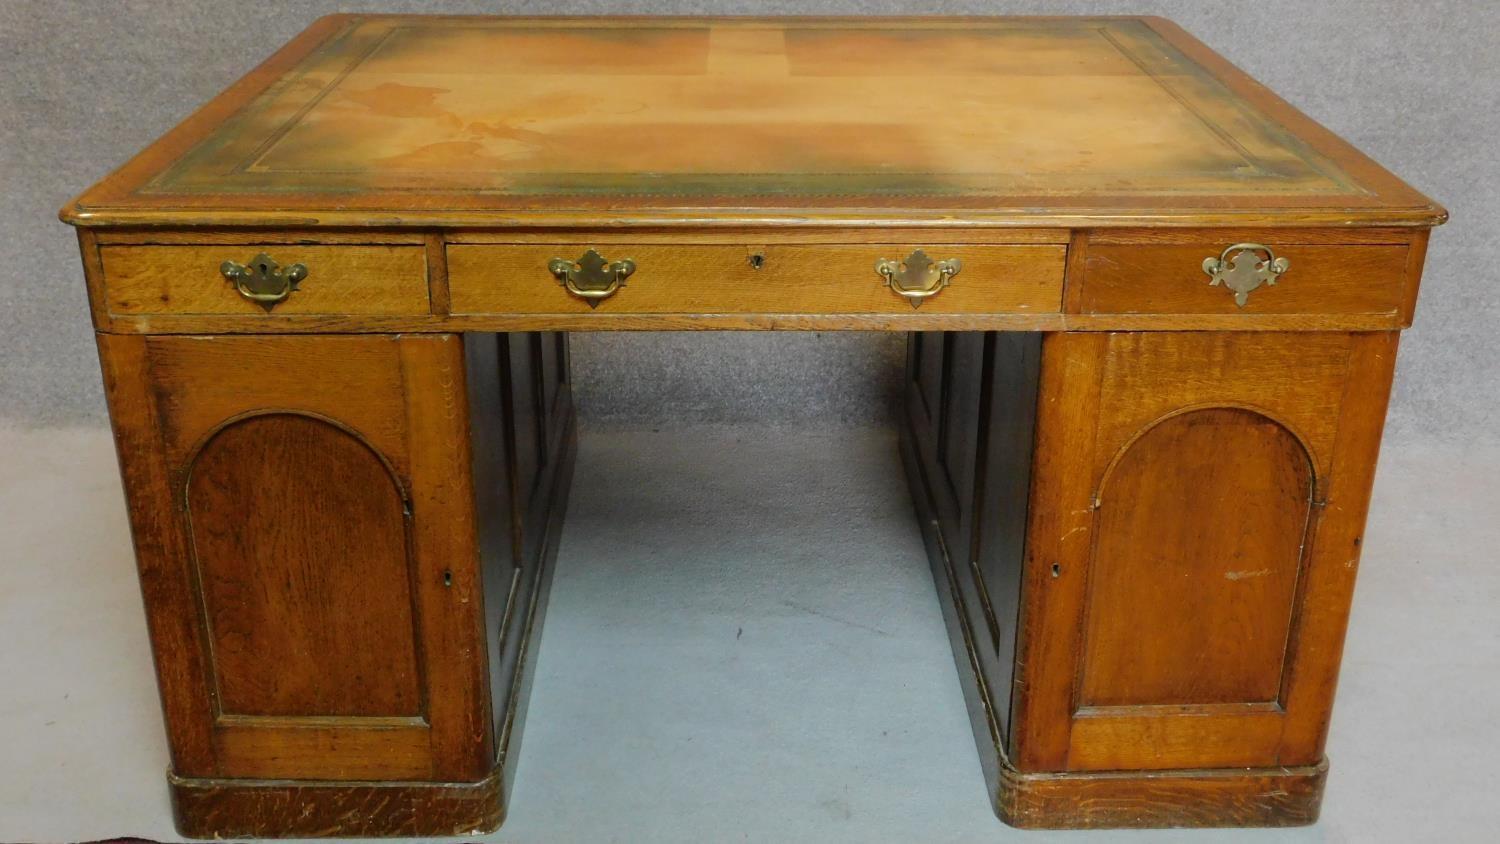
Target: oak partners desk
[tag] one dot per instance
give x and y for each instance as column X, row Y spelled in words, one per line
column 1152, row 309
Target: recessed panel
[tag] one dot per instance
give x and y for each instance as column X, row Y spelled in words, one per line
column 300, row 540
column 1200, row 533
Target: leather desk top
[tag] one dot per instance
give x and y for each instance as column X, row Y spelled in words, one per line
column 480, row 121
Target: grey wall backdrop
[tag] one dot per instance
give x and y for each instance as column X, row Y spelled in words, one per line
column 84, row 85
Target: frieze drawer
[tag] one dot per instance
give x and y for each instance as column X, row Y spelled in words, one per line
column 255, row 280
column 581, row 278
column 1236, row 276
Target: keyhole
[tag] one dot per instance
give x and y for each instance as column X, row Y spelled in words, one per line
column 447, row 578
column 757, row 260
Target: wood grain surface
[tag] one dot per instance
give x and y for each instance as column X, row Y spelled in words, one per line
column 1202, row 519
column 1169, row 279
column 1268, row 797
column 300, row 538
column 692, row 279
column 341, row 279
column 280, row 809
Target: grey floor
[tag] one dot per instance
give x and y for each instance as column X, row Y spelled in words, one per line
column 744, row 644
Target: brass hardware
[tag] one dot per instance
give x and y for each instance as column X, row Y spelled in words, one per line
column 918, row 277
column 756, row 259
column 591, row 278
column 1245, row 270
column 264, row 282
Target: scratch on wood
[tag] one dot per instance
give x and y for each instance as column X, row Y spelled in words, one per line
column 1245, row 575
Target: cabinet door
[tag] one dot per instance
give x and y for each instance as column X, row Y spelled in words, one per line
column 1193, row 536
column 303, row 515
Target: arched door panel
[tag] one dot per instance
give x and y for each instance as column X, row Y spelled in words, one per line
column 299, row 534
column 1199, row 542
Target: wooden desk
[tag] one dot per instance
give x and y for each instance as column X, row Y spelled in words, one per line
column 1153, row 314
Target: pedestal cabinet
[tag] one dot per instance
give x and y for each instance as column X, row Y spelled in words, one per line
column 1159, row 584
column 343, row 546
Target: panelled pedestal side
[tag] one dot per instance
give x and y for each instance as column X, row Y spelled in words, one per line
column 339, row 587
column 1154, row 639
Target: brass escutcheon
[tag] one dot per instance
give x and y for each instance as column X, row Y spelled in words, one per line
column 1242, row 269
column 263, row 281
column 918, row 277
column 591, row 278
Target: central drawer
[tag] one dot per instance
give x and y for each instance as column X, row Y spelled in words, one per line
column 739, row 279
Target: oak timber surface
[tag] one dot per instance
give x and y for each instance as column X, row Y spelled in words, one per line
column 394, row 120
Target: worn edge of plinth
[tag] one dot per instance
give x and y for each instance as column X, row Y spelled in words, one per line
column 1217, row 797
column 246, row 808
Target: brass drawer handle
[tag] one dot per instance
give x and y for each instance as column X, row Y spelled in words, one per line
column 591, row 278
column 264, row 282
column 1245, row 269
column 918, row 277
